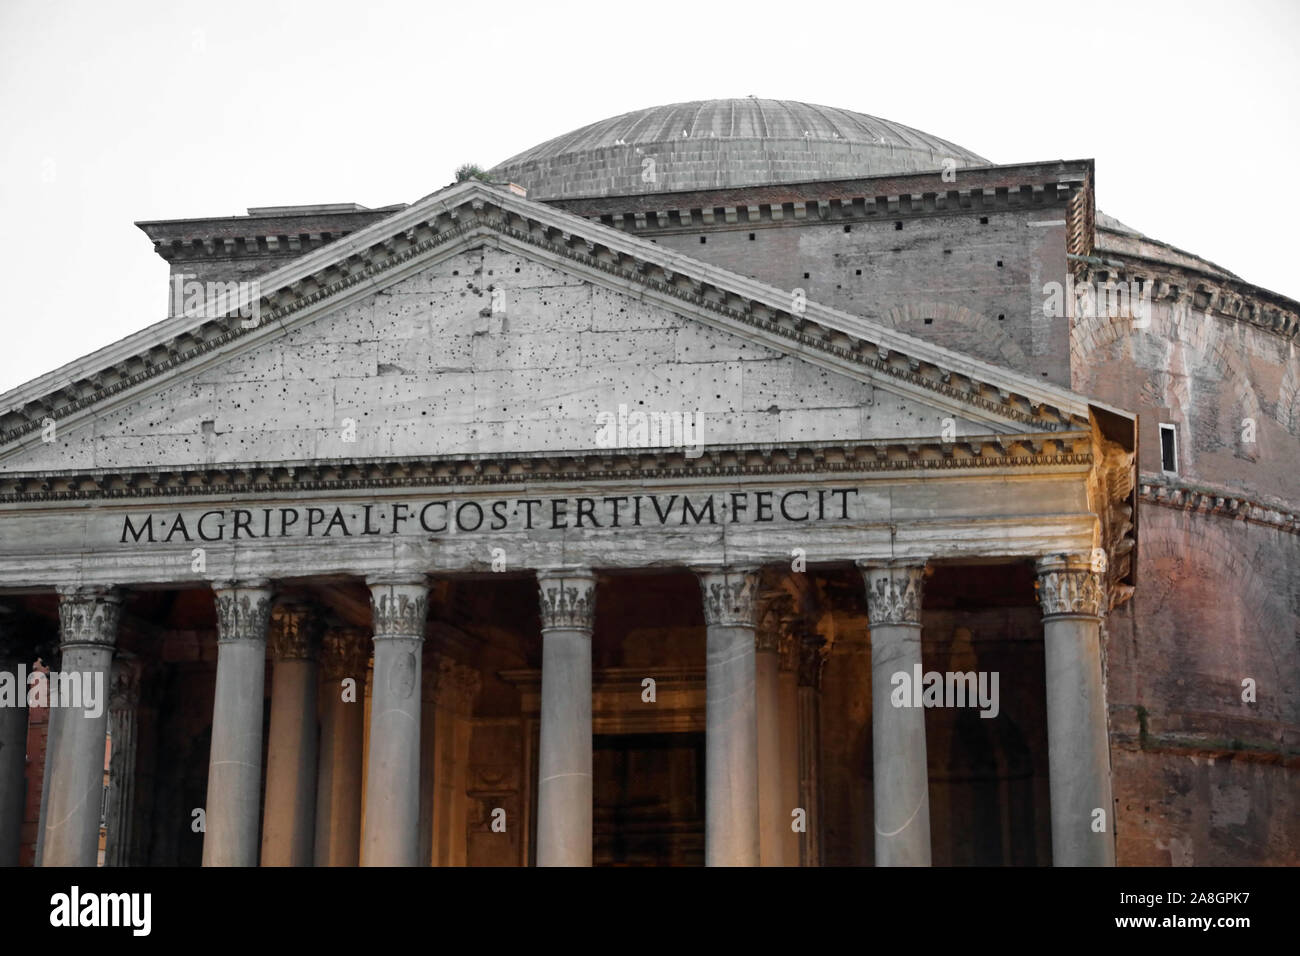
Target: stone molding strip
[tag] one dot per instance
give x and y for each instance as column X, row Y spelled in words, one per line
column 1184, row 496
column 1056, row 449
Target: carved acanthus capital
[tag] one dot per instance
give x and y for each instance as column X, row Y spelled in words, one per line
column 1070, row 585
column 894, row 593
column 730, row 596
column 243, row 610
column 775, row 613
column 567, row 598
column 345, row 651
column 295, row 632
column 89, row 616
column 400, row 608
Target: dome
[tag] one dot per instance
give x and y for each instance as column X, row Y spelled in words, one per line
column 711, row 144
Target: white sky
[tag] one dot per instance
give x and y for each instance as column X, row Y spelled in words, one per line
column 116, row 112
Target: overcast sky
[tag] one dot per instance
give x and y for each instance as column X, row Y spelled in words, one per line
column 126, row 111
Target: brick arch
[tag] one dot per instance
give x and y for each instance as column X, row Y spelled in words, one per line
column 976, row 334
column 1201, row 333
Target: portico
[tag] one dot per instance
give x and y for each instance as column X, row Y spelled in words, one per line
column 430, row 641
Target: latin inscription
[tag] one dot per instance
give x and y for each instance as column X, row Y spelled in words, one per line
column 500, row 514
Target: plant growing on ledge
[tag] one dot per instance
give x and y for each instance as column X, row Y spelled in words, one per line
column 471, row 171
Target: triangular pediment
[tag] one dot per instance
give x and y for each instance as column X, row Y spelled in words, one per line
column 477, row 322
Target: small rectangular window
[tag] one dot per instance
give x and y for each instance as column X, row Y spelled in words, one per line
column 1168, row 449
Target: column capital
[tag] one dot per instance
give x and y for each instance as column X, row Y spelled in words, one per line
column 400, row 605
column 567, row 598
column 243, row 610
column 776, row 611
column 344, row 653
column 88, row 616
column 1069, row 586
column 730, row 595
column 894, row 592
column 295, row 632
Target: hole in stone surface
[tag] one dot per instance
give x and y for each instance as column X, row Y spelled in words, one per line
column 999, row 263
column 848, row 228
column 858, row 272
column 806, row 275
column 703, row 239
column 984, row 220
column 1001, row 316
column 751, row 237
column 929, row 321
column 897, row 226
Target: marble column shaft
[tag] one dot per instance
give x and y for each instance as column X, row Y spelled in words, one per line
column 900, row 775
column 1072, row 598
column 788, row 705
column 564, row 795
column 289, row 817
column 88, row 619
column 344, row 655
column 731, row 825
column 233, row 804
column 391, row 829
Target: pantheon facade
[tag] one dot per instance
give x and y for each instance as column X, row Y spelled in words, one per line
column 738, row 482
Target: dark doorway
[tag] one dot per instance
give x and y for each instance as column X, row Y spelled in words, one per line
column 649, row 799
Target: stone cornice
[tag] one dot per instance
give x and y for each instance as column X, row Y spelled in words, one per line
column 1200, row 499
column 1032, row 451
column 458, row 217
column 986, row 190
column 1203, row 291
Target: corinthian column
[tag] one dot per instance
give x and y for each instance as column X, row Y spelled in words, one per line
column 731, row 727
column 1078, row 754
column 811, row 651
column 900, row 778
column 568, row 605
column 391, row 830
column 235, row 758
column 15, row 657
column 88, row 620
column 288, row 821
column 344, row 654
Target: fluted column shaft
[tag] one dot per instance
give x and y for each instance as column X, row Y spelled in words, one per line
column 235, row 761
column 344, row 655
column 731, row 825
column 1078, row 753
column 900, row 777
column 391, row 829
column 88, row 619
column 564, row 797
column 289, row 817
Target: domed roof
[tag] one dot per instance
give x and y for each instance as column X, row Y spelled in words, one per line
column 709, row 144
